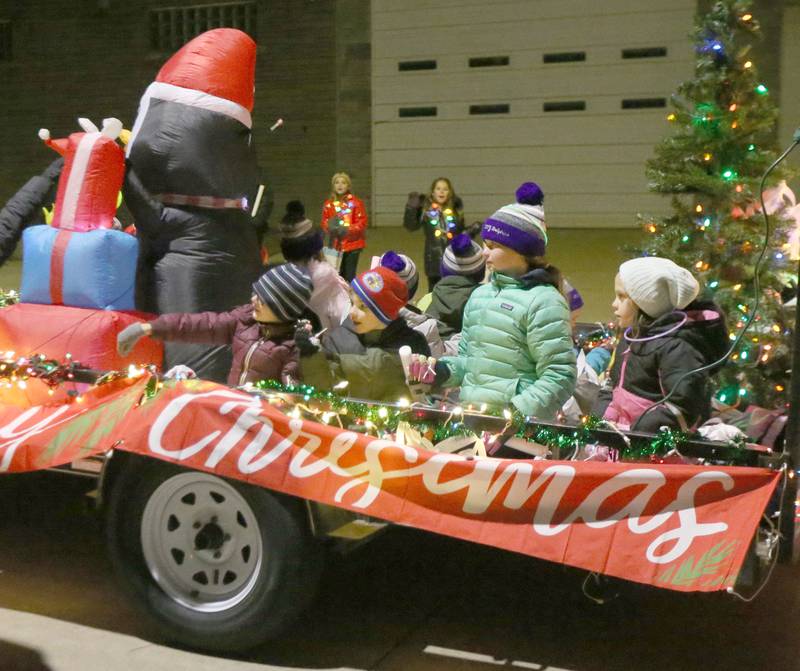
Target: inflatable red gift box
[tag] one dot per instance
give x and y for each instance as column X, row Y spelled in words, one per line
column 89, row 336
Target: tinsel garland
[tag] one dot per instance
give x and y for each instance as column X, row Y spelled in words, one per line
column 7, row 298
column 373, row 416
column 19, row 370
column 570, row 440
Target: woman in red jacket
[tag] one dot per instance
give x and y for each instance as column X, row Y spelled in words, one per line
column 345, row 220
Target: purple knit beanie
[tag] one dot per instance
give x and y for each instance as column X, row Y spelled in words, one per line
column 405, row 268
column 573, row 296
column 530, row 193
column 463, row 257
column 520, row 226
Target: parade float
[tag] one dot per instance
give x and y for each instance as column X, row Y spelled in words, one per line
column 221, row 503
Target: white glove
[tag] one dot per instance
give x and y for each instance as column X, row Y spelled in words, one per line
column 180, row 372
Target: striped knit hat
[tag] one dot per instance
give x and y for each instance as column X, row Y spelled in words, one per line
column 285, row 290
column 382, row 291
column 520, row 225
column 463, row 257
column 405, row 268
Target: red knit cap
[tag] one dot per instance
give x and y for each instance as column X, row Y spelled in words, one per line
column 382, row 291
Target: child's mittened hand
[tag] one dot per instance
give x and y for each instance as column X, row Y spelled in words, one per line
column 441, row 374
column 304, row 340
column 414, row 200
column 128, row 337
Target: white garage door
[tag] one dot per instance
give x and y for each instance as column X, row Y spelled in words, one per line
column 572, row 94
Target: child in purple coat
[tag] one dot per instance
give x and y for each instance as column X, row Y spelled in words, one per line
column 261, row 333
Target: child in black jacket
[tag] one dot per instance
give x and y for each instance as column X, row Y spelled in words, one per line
column 667, row 335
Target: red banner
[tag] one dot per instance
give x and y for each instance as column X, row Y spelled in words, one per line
column 34, row 437
column 675, row 526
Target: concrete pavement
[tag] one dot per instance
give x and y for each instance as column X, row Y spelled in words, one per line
column 408, row 601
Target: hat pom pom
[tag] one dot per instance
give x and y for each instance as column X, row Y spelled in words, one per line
column 295, row 210
column 393, row 261
column 462, row 245
column 529, row 193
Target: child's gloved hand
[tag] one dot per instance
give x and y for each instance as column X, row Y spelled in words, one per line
column 180, row 372
column 420, row 375
column 304, row 339
column 129, row 336
column 415, row 200
column 337, row 228
column 441, row 374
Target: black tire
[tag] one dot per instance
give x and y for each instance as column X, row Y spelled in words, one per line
column 279, row 586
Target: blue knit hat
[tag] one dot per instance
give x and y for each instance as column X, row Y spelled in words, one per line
column 286, row 290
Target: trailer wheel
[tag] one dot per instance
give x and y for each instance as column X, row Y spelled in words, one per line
column 218, row 564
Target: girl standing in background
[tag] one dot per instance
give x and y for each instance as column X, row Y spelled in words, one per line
column 441, row 216
column 345, row 220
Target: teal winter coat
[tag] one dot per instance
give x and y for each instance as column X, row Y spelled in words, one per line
column 516, row 346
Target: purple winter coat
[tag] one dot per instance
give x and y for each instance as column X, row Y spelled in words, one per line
column 260, row 351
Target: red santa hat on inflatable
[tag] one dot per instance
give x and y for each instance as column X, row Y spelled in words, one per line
column 94, row 167
column 196, row 116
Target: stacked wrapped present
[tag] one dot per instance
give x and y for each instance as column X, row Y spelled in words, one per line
column 79, row 273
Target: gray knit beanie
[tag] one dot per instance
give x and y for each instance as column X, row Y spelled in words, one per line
column 286, row 290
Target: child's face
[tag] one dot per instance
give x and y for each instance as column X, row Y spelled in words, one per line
column 504, row 260
column 262, row 312
column 625, row 309
column 363, row 318
column 340, row 186
column 440, row 192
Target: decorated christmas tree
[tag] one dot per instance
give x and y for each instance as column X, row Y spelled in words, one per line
column 722, row 141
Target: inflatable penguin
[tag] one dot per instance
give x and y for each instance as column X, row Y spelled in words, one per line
column 191, row 180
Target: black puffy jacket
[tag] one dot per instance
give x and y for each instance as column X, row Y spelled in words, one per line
column 416, row 217
column 656, row 366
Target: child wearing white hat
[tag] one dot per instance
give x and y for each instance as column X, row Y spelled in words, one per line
column 667, row 334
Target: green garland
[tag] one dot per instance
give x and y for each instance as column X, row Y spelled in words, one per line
column 9, row 297
column 386, row 418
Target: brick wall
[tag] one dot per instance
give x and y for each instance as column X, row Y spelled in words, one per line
column 92, row 58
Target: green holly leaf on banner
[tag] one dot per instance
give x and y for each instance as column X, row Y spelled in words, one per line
column 689, row 572
column 87, row 430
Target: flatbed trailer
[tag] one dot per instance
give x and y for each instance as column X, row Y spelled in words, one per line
column 220, row 505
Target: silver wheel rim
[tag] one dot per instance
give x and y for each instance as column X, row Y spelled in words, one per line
column 201, row 542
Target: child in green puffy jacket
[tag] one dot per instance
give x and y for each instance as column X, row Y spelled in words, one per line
column 516, row 344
